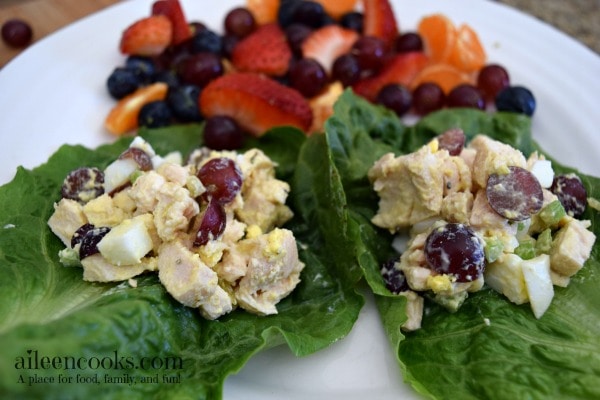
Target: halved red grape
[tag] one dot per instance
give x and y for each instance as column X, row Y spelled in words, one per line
column 89, row 241
column 515, row 195
column 452, row 140
column 455, row 250
column 393, row 277
column 222, row 179
column 141, row 158
column 571, row 193
column 83, row 184
column 212, row 225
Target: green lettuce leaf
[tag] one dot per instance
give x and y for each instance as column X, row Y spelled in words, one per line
column 50, row 318
column 490, row 348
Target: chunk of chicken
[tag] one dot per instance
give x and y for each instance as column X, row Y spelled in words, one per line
column 68, row 216
column 264, row 195
column 190, row 281
column 266, row 268
column 493, row 157
column 96, row 268
column 102, row 211
column 572, row 247
column 174, row 210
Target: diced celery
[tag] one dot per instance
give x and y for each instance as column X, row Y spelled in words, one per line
column 493, row 249
column 543, row 245
column 69, row 257
column 526, row 249
column 552, row 213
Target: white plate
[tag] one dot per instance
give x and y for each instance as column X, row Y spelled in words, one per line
column 54, row 93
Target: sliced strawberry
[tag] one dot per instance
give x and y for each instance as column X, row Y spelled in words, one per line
column 256, row 102
column 327, row 43
column 400, row 68
column 266, row 50
column 379, row 20
column 172, row 9
column 147, row 37
column 123, row 117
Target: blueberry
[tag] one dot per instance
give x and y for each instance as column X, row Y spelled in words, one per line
column 167, row 76
column 285, row 14
column 353, row 20
column 183, row 100
column 516, row 99
column 144, row 67
column 121, row 82
column 155, row 114
column 207, row 41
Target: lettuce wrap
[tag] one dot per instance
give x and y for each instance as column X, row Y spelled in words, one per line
column 490, row 348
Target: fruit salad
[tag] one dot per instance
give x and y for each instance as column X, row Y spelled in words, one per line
column 286, row 63
column 479, row 213
column 209, row 228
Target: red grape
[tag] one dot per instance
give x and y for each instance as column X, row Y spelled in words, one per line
column 222, row 179
column 213, row 223
column 222, row 133
column 492, row 79
column 141, row 158
column 17, row 33
column 454, row 249
column 516, row 195
column 395, row 97
column 466, row 95
column 407, row 42
column 199, row 69
column 452, row 140
column 83, row 184
column 308, row 77
column 345, row 69
column 239, row 22
column 369, row 51
column 571, row 193
column 428, row 97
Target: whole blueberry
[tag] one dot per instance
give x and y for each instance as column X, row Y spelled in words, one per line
column 144, row 67
column 207, row 41
column 517, row 99
column 122, row 81
column 155, row 114
column 183, row 101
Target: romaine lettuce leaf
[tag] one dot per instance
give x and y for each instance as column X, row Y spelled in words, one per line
column 490, row 348
column 116, row 331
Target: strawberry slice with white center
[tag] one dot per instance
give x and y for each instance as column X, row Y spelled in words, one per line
column 328, row 43
column 256, row 102
column 147, row 37
column 401, row 68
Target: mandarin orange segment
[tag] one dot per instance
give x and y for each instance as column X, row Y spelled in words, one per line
column 446, row 76
column 439, row 35
column 468, row 53
column 264, row 11
column 122, row 118
column 337, row 8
